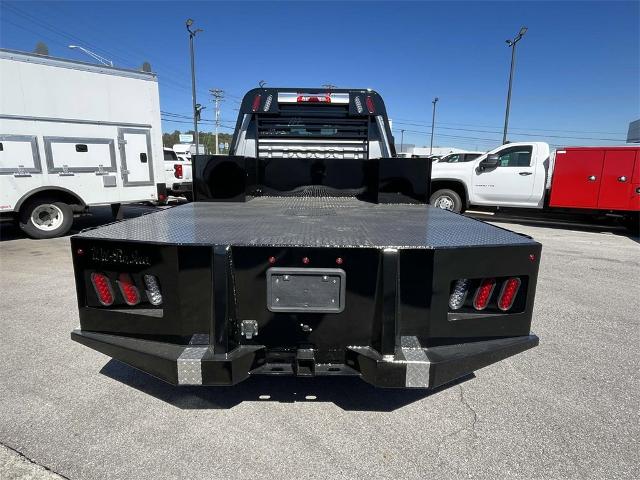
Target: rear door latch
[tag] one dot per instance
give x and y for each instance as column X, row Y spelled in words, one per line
column 249, row 329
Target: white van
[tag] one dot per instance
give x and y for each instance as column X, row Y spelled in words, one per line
column 74, row 135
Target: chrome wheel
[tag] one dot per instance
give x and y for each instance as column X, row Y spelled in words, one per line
column 444, row 202
column 47, row 217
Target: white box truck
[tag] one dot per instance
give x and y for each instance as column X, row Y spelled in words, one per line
column 75, row 135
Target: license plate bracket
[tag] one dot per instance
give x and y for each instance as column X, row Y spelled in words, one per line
column 309, row 290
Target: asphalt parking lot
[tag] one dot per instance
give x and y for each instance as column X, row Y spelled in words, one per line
column 566, row 409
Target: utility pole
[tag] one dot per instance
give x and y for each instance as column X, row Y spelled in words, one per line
column 512, row 44
column 218, row 96
column 433, row 123
column 196, row 107
column 401, row 138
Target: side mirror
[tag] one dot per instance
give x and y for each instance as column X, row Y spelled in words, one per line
column 492, row 161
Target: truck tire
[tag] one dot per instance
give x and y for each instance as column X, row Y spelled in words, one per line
column 188, row 196
column 447, row 200
column 45, row 218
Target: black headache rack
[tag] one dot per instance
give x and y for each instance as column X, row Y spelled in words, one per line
column 285, row 144
column 319, row 275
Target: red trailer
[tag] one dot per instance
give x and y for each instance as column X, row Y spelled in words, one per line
column 523, row 178
column 597, row 178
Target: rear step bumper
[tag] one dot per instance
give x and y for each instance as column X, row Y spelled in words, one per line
column 411, row 367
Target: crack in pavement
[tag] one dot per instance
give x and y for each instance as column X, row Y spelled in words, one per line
column 475, row 414
column 21, row 456
column 471, row 426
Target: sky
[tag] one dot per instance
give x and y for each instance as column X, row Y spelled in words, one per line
column 577, row 75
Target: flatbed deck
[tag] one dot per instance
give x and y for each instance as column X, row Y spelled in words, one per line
column 308, row 221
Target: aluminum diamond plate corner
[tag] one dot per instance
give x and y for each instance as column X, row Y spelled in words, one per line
column 190, row 366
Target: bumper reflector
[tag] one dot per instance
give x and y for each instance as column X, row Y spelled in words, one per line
column 153, row 290
column 508, row 293
column 102, row 286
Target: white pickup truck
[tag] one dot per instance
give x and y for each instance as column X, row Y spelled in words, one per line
column 178, row 173
column 513, row 175
column 596, row 181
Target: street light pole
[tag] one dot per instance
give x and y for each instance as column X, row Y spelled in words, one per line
column 433, row 123
column 196, row 113
column 512, row 44
column 401, row 138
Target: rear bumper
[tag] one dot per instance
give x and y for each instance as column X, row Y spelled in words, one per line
column 182, row 187
column 412, row 366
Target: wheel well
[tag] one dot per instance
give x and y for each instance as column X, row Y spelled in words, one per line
column 457, row 187
column 66, row 196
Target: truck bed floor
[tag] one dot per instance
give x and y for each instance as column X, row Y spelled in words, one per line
column 308, row 221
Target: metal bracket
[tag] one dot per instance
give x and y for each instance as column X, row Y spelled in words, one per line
column 100, row 170
column 22, row 172
column 121, row 141
column 65, row 172
column 249, row 329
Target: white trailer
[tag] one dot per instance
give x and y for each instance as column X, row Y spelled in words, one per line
column 75, row 135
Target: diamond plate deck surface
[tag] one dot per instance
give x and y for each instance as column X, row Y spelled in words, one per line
column 308, row 221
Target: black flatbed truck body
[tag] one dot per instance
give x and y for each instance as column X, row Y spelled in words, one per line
column 306, row 281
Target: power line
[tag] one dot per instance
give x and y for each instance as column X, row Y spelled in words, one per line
column 418, row 123
column 522, row 134
column 173, row 120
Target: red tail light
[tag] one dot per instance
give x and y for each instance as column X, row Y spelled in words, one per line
column 177, row 170
column 370, row 106
column 483, row 293
column 508, row 293
column 129, row 291
column 256, row 103
column 314, row 99
column 102, row 286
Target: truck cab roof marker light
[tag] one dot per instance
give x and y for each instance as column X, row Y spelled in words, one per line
column 459, row 294
column 508, row 293
column 304, row 97
column 153, row 290
column 314, row 99
column 128, row 289
column 103, row 289
column 483, row 293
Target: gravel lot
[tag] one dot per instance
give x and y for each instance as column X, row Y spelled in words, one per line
column 567, row 409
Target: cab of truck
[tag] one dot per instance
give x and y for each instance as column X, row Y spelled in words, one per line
column 514, row 175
